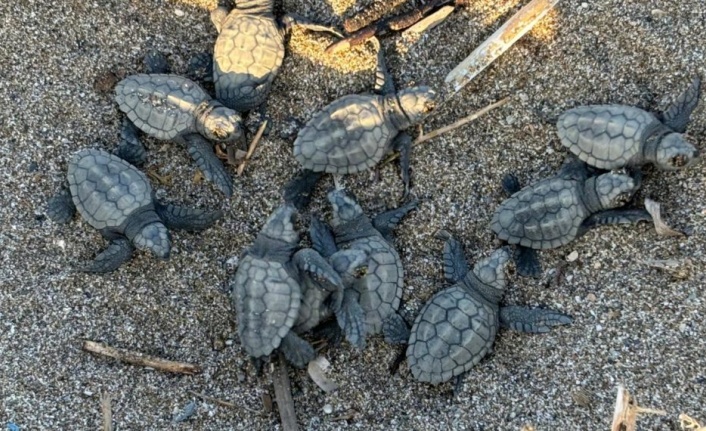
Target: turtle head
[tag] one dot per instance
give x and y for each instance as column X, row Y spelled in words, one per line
column 614, row 190
column 280, row 225
column 154, row 237
column 675, row 152
column 491, row 270
column 345, row 208
column 222, row 124
column 416, row 103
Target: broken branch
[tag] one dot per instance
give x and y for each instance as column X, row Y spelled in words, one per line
column 137, row 358
column 283, row 395
column 107, row 411
column 251, row 148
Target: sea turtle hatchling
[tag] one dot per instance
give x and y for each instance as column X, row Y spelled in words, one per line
column 379, row 291
column 556, row 210
column 614, row 136
column 456, row 328
column 353, row 133
column 174, row 108
column 116, row 198
column 249, row 50
column 267, row 289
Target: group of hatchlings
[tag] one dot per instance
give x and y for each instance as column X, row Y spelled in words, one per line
column 350, row 282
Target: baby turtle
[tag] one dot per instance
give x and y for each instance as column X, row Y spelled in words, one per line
column 353, row 133
column 614, row 136
column 116, row 198
column 267, row 289
column 379, row 291
column 456, row 328
column 174, row 108
column 249, row 50
column 556, row 210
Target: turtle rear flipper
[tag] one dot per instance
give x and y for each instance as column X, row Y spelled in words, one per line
column 299, row 189
column 118, row 252
column 679, row 112
column 524, row 319
column 130, row 148
column 184, row 218
column 60, row 207
column 297, row 350
column 395, row 329
column 527, row 262
column 202, row 152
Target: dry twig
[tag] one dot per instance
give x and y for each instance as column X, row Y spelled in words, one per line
column 137, row 358
column 283, row 395
column 251, row 148
column 627, row 411
column 107, row 411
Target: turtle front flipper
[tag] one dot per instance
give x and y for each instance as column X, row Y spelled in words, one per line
column 524, row 319
column 383, row 79
column 311, row 264
column 455, row 265
column 511, row 184
column 351, row 319
column 403, row 144
column 619, row 216
column 202, row 152
column 201, row 67
column 60, row 207
column 299, row 189
column 527, row 262
column 155, row 62
column 219, row 14
column 290, row 20
column 395, row 330
column 387, row 221
column 118, row 252
column 677, row 115
column 321, row 237
column 297, row 350
column 130, row 148
column 185, row 218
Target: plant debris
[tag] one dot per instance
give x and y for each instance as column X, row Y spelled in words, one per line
column 140, row 359
column 627, row 411
column 317, row 369
column 661, row 227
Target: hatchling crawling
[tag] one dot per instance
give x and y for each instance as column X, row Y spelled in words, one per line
column 556, row 210
column 116, row 198
column 249, row 50
column 456, row 328
column 379, row 291
column 267, row 289
column 614, row 136
column 353, row 133
column 173, row 108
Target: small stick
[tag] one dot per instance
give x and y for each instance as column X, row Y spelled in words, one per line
column 107, row 411
column 137, row 358
column 433, row 134
column 222, row 403
column 251, row 148
column 283, row 395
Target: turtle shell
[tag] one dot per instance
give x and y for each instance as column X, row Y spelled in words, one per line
column 545, row 215
column 267, row 301
column 349, row 135
column 451, row 334
column 246, row 59
column 606, row 136
column 162, row 106
column 106, row 189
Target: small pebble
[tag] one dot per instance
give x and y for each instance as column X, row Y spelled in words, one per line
column 229, row 342
column 599, row 328
column 591, row 297
column 178, row 12
column 328, row 409
column 597, row 265
column 572, row 256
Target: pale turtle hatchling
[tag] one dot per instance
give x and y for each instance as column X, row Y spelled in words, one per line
column 456, row 328
column 267, row 289
column 379, row 291
column 614, row 136
column 249, row 50
column 557, row 210
column 116, row 198
column 173, row 108
column 353, row 133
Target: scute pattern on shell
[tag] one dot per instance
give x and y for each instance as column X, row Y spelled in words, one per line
column 451, row 334
column 349, row 135
column 247, row 57
column 605, row 136
column 267, row 301
column 542, row 216
column 160, row 105
column 105, row 188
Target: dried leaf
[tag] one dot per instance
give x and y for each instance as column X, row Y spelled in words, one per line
column 627, row 411
column 688, row 423
column 679, row 268
column 653, row 207
column 161, row 179
column 198, row 177
column 316, row 372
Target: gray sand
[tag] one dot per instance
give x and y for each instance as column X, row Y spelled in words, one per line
column 633, row 324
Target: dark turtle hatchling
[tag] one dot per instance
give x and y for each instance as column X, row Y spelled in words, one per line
column 249, row 50
column 115, row 197
column 379, row 291
column 353, row 133
column 267, row 289
column 556, row 210
column 614, row 136
column 174, row 108
column 456, row 328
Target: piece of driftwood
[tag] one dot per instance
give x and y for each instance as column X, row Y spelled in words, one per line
column 283, row 396
column 503, row 38
column 137, row 358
